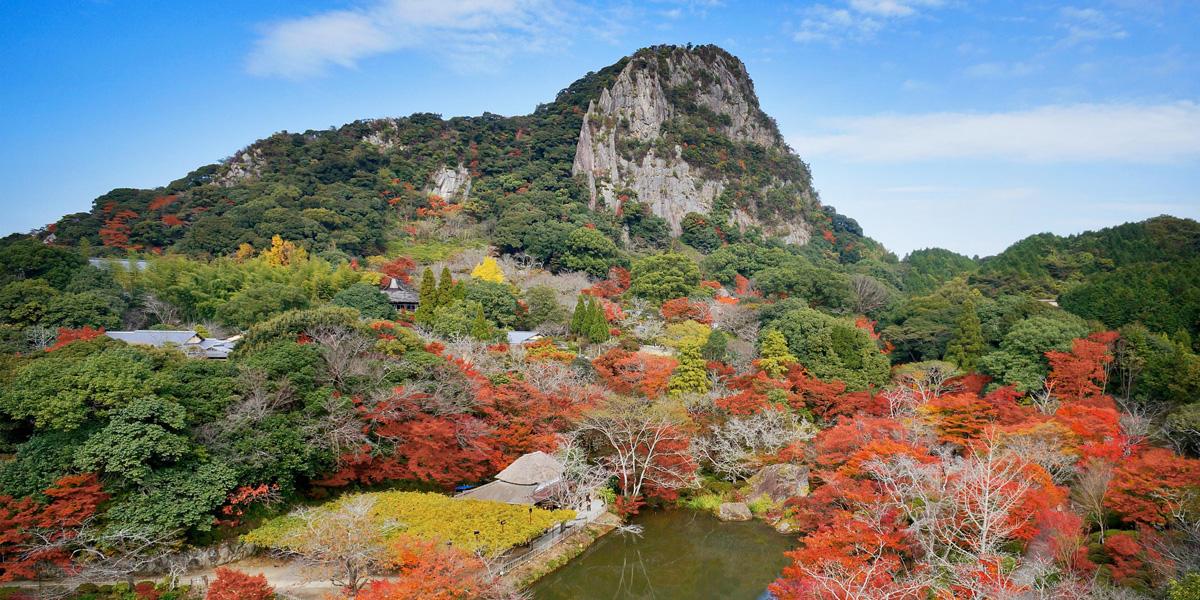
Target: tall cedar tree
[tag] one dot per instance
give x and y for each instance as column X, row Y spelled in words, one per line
column 428, row 297
column 446, row 291
column 578, row 317
column 967, row 346
column 597, row 324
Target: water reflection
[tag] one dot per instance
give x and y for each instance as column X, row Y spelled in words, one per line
column 680, row 555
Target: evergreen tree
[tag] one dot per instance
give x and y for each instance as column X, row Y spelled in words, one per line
column 445, row 288
column 774, row 355
column 428, row 297
column 597, row 325
column 578, row 317
column 690, row 376
column 481, row 328
column 715, row 347
column 966, row 347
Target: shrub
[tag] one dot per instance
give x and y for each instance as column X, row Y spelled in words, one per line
column 705, row 502
column 1185, row 588
column 431, row 516
column 235, row 585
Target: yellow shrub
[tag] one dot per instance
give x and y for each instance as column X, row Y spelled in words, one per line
column 437, row 517
column 685, row 333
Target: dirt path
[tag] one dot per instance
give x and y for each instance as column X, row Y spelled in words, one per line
column 287, row 577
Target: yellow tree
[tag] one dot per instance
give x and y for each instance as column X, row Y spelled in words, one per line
column 283, row 253
column 773, row 354
column 244, row 252
column 488, row 270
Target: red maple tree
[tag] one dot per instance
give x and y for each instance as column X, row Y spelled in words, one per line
column 236, row 585
column 72, row 500
column 68, row 336
column 685, row 309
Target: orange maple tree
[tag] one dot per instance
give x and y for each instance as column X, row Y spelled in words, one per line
column 685, row 309
column 1148, row 486
column 428, row 571
column 231, row 584
column 626, row 372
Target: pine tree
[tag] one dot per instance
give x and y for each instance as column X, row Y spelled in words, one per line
column 427, row 298
column 690, row 376
column 966, row 347
column 578, row 317
column 774, row 355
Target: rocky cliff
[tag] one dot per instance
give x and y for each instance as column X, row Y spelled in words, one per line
column 680, row 129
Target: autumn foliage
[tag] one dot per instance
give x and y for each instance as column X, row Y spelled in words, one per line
column 684, row 309
column 230, row 584
column 71, row 501
column 1080, row 373
column 628, row 372
column 430, row 571
column 877, row 473
column 1147, row 486
column 67, row 336
column 400, row 268
column 469, row 430
column 616, row 284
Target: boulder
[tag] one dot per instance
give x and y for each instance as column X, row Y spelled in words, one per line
column 734, row 511
column 779, row 482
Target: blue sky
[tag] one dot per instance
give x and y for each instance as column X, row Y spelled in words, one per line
column 951, row 123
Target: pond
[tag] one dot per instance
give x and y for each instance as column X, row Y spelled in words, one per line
column 680, row 555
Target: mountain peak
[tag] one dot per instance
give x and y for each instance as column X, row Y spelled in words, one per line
column 680, row 129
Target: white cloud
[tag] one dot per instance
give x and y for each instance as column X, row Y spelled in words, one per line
column 892, row 8
column 855, row 19
column 1127, row 133
column 470, row 34
column 1084, row 25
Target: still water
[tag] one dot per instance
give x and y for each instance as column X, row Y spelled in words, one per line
column 681, row 555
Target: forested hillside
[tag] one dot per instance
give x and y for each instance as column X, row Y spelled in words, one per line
column 344, row 192
column 1026, row 423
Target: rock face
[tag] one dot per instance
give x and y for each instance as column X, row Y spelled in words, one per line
column 734, row 511
column 453, row 185
column 621, row 145
column 246, row 164
column 779, row 482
